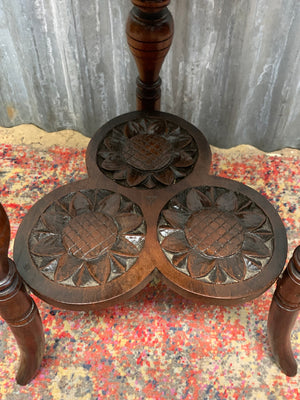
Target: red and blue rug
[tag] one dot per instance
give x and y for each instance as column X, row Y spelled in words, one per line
column 157, row 345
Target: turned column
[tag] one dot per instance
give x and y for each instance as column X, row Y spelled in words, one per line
column 283, row 313
column 18, row 309
column 149, row 34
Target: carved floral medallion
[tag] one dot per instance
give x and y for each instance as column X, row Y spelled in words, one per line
column 88, row 238
column 147, row 153
column 215, row 235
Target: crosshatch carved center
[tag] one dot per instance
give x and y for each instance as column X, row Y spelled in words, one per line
column 89, row 235
column 148, row 152
column 214, row 233
column 88, row 238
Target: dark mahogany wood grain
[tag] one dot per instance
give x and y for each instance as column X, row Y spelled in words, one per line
column 149, row 206
column 19, row 311
column 283, row 313
column 212, row 239
column 149, row 34
column 4, row 244
column 74, row 280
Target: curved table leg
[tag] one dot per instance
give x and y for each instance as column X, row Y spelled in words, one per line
column 18, row 309
column 283, row 314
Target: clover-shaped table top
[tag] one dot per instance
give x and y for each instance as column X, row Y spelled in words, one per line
column 149, row 205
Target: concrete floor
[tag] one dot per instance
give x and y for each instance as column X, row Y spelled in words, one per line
column 38, row 138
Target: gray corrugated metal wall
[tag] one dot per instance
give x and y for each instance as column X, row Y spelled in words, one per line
column 233, row 69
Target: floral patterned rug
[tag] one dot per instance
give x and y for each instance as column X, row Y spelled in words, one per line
column 157, row 345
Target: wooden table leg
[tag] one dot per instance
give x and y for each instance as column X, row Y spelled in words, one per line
column 149, row 32
column 18, row 309
column 283, row 314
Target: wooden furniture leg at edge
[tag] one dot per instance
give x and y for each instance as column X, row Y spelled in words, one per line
column 283, row 314
column 149, row 31
column 19, row 311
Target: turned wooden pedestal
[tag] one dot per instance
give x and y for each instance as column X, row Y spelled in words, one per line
column 19, row 311
column 149, row 206
column 283, row 313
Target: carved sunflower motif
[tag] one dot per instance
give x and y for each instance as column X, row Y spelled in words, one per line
column 147, row 152
column 215, row 235
column 88, row 238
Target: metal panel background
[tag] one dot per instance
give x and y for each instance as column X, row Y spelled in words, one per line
column 233, row 69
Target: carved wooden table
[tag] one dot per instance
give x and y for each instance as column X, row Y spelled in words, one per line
column 149, row 206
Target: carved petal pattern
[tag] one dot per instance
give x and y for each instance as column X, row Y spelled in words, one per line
column 125, row 248
column 113, row 164
column 79, row 204
column 234, row 243
column 251, row 220
column 180, row 258
column 196, row 200
column 180, row 140
column 100, row 270
column 66, row 267
column 128, row 222
column 97, row 237
column 48, row 246
column 185, row 160
column 175, row 242
column 177, row 173
column 109, row 205
column 134, row 177
column 234, row 266
column 264, row 234
column 147, row 152
column 256, row 263
column 119, row 175
column 175, row 219
column 55, row 219
column 218, row 275
column 113, row 143
column 227, row 201
column 110, row 143
column 150, row 182
column 157, row 127
column 117, row 137
column 134, row 128
column 199, row 266
column 117, row 267
column 82, row 276
column 255, row 247
column 166, row 177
